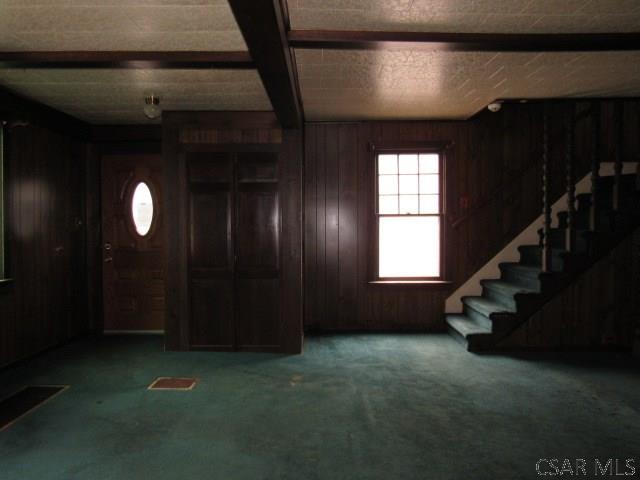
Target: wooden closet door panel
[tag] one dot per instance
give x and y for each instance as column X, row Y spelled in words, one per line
column 257, row 229
column 257, row 249
column 210, row 230
column 212, row 314
column 258, row 313
column 210, row 252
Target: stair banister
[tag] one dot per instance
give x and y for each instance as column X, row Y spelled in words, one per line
column 571, row 184
column 595, row 165
column 546, row 203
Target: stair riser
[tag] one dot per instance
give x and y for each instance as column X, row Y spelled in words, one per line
column 458, row 336
column 526, row 281
column 582, row 220
column 558, row 241
column 605, row 201
column 499, row 297
column 533, row 256
column 478, row 317
column 605, row 184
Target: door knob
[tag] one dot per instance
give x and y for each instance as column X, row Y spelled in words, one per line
column 107, row 246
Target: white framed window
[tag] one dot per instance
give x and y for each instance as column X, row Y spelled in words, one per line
column 409, row 214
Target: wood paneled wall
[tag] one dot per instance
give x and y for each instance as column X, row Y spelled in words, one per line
column 44, row 183
column 493, row 191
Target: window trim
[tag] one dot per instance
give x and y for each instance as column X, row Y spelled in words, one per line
column 442, row 149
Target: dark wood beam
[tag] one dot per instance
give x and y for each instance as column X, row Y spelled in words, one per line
column 263, row 25
column 171, row 60
column 465, row 42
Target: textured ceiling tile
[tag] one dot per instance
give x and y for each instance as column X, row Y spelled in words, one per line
column 499, row 16
column 119, row 25
column 117, row 96
column 427, row 84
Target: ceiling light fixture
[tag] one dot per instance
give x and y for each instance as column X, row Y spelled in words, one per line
column 151, row 107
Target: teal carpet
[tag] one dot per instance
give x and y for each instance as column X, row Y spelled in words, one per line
column 352, row 407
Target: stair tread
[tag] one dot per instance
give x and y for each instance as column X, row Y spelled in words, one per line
column 465, row 326
column 508, row 287
column 486, row 307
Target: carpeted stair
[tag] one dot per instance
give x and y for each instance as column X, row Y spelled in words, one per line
column 523, row 288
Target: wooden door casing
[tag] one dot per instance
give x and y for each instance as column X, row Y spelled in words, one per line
column 133, row 273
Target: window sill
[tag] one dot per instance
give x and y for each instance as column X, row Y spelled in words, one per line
column 429, row 284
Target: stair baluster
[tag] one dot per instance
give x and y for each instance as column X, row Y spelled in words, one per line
column 617, row 169
column 546, row 204
column 595, row 165
column 571, row 185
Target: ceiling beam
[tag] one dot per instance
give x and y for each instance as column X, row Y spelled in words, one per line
column 127, row 59
column 264, row 25
column 464, row 42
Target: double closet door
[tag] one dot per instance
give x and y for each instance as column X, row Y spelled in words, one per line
column 233, row 250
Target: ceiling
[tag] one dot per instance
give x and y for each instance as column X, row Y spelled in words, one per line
column 118, row 25
column 493, row 16
column 335, row 84
column 413, row 84
column 116, row 96
column 423, row 83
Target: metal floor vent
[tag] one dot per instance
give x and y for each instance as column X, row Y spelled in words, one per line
column 173, row 383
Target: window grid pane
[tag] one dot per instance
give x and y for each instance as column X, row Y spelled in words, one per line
column 408, row 175
column 388, row 204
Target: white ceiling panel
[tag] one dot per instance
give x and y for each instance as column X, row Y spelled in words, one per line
column 117, row 96
column 118, row 25
column 407, row 84
column 496, row 16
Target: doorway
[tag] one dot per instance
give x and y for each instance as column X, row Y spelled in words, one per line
column 132, row 243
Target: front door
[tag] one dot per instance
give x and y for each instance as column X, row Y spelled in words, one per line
column 132, row 250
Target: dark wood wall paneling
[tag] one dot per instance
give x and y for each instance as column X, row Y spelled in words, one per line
column 201, row 135
column 493, row 191
column 45, row 185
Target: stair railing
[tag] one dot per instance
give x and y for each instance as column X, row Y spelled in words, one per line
column 546, row 201
column 570, row 231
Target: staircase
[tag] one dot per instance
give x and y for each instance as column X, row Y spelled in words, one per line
column 587, row 230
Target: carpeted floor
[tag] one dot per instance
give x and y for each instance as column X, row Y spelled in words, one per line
column 352, row 407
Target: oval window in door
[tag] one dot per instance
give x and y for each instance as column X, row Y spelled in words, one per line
column 142, row 208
